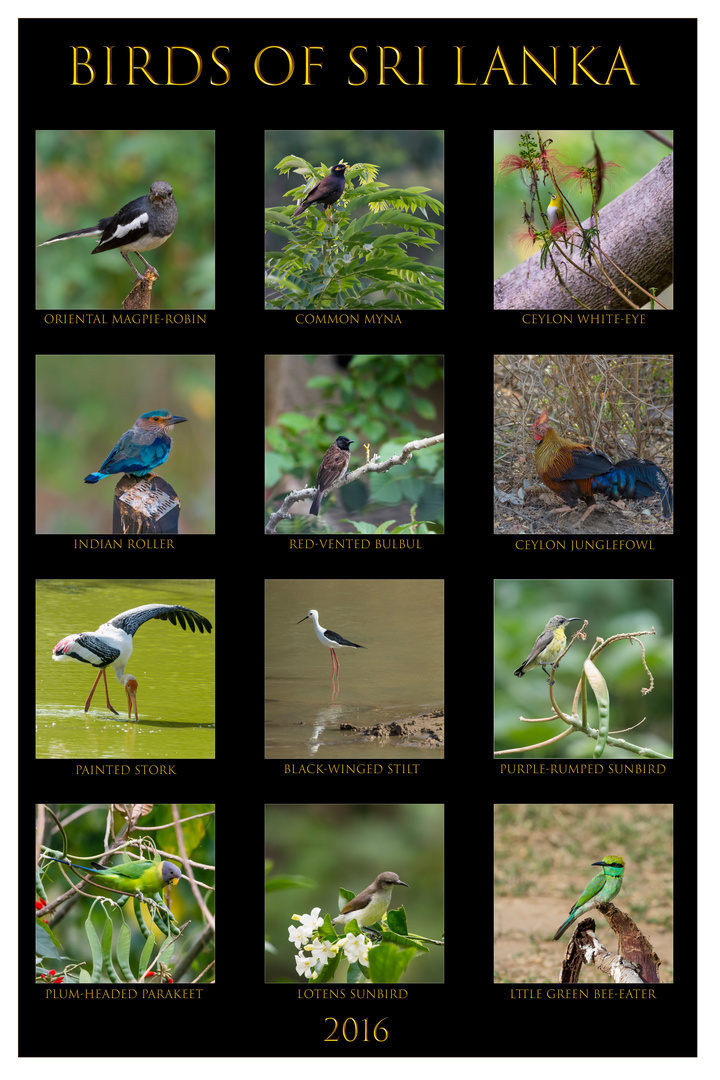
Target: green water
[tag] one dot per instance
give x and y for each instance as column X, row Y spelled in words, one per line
column 175, row 670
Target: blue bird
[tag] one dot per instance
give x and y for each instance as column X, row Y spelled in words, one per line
column 142, row 449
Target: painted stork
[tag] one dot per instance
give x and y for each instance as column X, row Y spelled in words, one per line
column 111, row 645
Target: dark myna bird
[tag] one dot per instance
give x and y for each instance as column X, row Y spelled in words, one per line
column 327, row 191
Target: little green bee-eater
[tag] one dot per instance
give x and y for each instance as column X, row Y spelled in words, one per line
column 547, row 647
column 601, row 890
column 137, row 876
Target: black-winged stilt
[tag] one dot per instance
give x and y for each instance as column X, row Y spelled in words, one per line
column 330, row 638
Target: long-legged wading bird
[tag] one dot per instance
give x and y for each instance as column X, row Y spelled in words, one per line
column 547, row 647
column 601, row 890
column 140, row 225
column 111, row 645
column 574, row 471
column 330, row 638
column 139, row 876
column 142, row 449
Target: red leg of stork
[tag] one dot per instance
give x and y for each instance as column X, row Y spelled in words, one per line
column 102, row 672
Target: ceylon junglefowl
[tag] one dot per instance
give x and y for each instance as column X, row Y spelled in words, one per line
column 574, row 471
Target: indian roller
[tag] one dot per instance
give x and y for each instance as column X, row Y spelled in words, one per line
column 142, row 449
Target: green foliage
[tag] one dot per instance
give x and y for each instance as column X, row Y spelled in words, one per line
column 376, row 396
column 119, row 946
column 349, row 263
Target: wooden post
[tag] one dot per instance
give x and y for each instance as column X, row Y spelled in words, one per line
column 145, row 505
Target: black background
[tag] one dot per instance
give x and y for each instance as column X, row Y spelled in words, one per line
column 435, row 1020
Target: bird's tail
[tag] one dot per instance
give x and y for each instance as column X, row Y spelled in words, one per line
column 75, row 866
column 94, row 231
column 636, row 479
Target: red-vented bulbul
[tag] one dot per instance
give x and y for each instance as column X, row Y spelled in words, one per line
column 332, row 467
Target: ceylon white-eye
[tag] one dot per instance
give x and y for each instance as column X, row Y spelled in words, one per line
column 556, row 210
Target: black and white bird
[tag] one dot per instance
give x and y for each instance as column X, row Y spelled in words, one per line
column 333, row 467
column 330, row 638
column 111, row 645
column 142, row 225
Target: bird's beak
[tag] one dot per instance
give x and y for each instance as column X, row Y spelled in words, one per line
column 131, row 691
column 177, row 419
column 302, row 620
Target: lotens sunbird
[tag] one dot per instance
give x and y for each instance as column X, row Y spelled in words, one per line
column 601, row 890
column 137, row 876
column 547, row 647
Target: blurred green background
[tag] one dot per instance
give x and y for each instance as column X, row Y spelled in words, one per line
column 85, row 403
column 611, row 606
column 347, row 846
column 89, row 829
column 636, row 153
column 83, row 176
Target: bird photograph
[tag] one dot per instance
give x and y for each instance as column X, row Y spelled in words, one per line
column 553, row 862
column 590, row 450
column 627, row 623
column 113, row 202
column 115, row 883
column 560, row 192
column 364, row 446
column 166, row 677
column 330, row 193
column 342, row 678
column 86, row 403
column 362, row 861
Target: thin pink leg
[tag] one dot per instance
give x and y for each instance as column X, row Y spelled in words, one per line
column 102, row 672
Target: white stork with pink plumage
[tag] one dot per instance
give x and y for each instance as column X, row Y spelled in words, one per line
column 111, row 645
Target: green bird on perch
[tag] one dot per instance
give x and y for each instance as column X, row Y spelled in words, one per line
column 603, row 888
column 139, row 877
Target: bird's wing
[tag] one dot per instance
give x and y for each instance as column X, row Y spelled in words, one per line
column 137, row 450
column 130, row 621
column 130, row 222
column 128, row 871
column 591, row 889
column 586, row 463
column 92, row 649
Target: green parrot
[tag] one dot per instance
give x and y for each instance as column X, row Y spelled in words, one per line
column 601, row 890
column 137, row 876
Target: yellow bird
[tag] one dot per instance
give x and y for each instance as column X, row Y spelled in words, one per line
column 556, row 210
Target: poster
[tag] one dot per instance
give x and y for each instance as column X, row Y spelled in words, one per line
column 377, row 319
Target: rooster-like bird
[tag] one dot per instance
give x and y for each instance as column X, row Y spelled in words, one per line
column 575, row 471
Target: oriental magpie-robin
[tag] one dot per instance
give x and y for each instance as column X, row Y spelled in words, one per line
column 142, row 225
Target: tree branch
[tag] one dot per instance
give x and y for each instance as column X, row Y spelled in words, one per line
column 636, row 233
column 374, row 465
